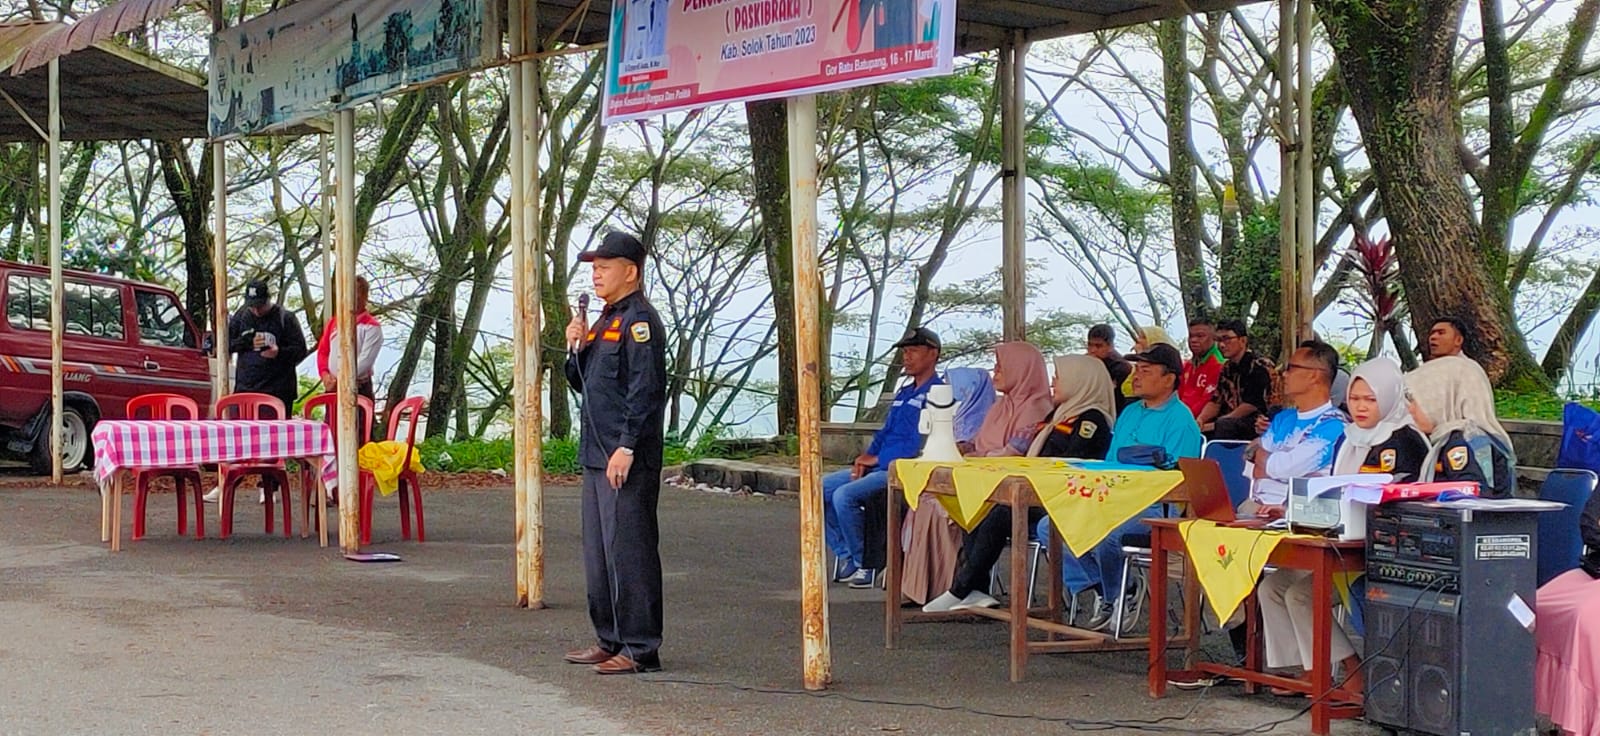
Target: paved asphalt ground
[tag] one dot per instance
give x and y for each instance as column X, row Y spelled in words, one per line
column 267, row 635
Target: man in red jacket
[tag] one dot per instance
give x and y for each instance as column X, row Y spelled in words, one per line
column 369, row 340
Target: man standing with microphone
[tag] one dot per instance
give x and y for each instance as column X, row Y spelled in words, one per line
column 619, row 367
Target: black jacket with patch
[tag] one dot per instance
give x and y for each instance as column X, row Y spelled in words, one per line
column 621, row 373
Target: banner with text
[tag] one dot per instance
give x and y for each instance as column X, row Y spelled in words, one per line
column 669, row 55
column 315, row 56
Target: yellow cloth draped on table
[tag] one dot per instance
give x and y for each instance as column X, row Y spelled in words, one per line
column 1085, row 503
column 385, row 460
column 1227, row 560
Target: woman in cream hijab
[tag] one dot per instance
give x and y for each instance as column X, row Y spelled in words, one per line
column 1079, row 428
column 1453, row 404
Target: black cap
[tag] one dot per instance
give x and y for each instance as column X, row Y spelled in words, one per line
column 1163, row 355
column 256, row 293
column 616, row 245
column 920, row 336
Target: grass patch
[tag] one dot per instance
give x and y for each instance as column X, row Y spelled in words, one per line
column 560, row 455
column 1541, row 405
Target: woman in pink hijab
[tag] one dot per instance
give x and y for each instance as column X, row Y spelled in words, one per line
column 1019, row 374
column 932, row 540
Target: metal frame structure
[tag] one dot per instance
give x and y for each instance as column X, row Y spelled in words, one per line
column 1008, row 26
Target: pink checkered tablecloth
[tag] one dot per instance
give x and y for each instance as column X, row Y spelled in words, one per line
column 153, row 443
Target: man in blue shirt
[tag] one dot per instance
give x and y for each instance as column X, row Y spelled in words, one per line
column 845, row 493
column 1298, row 443
column 1157, row 419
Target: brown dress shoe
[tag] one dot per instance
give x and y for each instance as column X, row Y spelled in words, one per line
column 591, row 655
column 621, row 664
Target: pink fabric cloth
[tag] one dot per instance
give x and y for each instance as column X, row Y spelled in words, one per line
column 148, row 443
column 1025, row 382
column 1567, row 674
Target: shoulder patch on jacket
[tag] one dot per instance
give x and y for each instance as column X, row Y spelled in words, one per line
column 1457, row 457
column 1086, row 429
column 640, row 331
column 1386, row 460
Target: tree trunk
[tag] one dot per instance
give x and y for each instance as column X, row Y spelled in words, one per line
column 1558, row 359
column 1173, row 35
column 190, row 189
column 1397, row 61
column 769, row 155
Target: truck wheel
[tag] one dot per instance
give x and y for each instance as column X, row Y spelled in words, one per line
column 75, row 450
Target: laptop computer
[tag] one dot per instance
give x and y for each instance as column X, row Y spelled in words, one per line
column 1208, row 491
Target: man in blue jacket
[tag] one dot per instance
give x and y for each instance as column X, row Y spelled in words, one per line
column 845, row 493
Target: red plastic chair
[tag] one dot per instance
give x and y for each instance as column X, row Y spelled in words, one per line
column 248, row 406
column 167, row 406
column 409, row 411
column 328, row 406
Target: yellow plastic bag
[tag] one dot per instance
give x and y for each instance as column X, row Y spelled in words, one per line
column 385, row 460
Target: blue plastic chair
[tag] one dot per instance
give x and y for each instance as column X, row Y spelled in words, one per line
column 1230, row 455
column 1560, row 542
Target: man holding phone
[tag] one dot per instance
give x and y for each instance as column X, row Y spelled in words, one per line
column 270, row 345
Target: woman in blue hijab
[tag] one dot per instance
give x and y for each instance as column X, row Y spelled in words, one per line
column 974, row 388
column 932, row 541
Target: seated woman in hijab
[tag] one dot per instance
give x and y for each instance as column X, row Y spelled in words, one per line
column 1566, row 685
column 1080, row 427
column 931, row 538
column 1379, row 438
column 1453, row 404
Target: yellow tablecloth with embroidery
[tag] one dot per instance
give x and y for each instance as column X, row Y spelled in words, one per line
column 1228, row 560
column 1085, row 503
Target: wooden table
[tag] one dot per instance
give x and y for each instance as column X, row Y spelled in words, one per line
column 1017, row 493
column 1323, row 557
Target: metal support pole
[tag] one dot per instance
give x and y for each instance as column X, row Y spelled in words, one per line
column 345, row 245
column 519, row 296
column 1305, row 183
column 817, row 656
column 1288, row 256
column 325, row 224
column 533, row 319
column 221, row 358
column 58, row 288
column 1013, row 187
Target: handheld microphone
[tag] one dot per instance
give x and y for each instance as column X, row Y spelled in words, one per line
column 583, row 305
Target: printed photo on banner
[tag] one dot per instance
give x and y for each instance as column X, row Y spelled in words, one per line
column 673, row 55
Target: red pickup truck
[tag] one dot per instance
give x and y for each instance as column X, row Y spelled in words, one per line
column 122, row 339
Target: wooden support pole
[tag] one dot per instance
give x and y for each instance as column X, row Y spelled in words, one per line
column 519, row 300
column 58, row 287
column 1305, row 183
column 325, row 225
column 344, row 154
column 1013, row 187
column 818, row 658
column 1288, row 255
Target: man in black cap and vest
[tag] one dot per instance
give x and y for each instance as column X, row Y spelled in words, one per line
column 270, row 345
column 619, row 367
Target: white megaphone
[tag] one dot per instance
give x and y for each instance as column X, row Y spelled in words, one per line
column 939, row 424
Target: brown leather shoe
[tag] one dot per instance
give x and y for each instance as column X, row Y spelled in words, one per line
column 591, row 655
column 623, row 665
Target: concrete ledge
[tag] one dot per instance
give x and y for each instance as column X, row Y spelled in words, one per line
column 843, row 441
column 1537, row 443
column 738, row 475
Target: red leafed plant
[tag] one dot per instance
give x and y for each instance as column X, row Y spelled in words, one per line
column 1378, row 297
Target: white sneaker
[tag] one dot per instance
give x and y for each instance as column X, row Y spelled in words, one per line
column 977, row 599
column 214, row 495
column 946, row 602
column 261, row 498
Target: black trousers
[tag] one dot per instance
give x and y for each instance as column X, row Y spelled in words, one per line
column 983, row 547
column 622, row 562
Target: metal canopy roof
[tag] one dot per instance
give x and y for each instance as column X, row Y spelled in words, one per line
column 108, row 92
column 981, row 25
